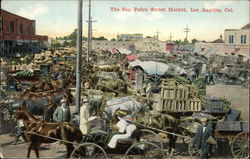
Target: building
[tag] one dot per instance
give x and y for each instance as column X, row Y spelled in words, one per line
column 126, row 37
column 106, row 44
column 18, row 35
column 237, row 38
column 236, row 42
column 150, row 44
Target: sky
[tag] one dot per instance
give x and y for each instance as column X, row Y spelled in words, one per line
column 59, row 17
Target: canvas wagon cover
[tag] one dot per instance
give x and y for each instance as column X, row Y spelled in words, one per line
column 125, row 103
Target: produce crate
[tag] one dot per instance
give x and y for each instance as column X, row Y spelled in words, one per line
column 193, row 90
column 169, row 82
column 179, row 105
column 194, row 105
column 175, row 92
column 171, row 105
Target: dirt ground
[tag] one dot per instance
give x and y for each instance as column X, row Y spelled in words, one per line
column 236, row 94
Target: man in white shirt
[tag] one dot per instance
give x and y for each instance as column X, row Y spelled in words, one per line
column 126, row 127
column 20, row 131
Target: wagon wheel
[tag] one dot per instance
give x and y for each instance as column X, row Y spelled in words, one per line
column 6, row 112
column 89, row 150
column 193, row 151
column 144, row 150
column 240, row 145
column 100, row 137
column 150, row 136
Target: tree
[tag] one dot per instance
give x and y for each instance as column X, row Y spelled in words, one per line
column 113, row 39
column 65, row 43
column 99, row 38
column 194, row 41
column 148, row 36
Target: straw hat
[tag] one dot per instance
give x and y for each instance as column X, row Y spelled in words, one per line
column 64, row 100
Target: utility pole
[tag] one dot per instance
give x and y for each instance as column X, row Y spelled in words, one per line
column 187, row 30
column 157, row 38
column 170, row 37
column 89, row 40
column 78, row 58
column 89, row 32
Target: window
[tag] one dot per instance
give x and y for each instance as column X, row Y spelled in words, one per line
column 231, row 39
column 97, row 43
column 21, row 28
column 243, row 39
column 28, row 30
column 32, row 30
column 12, row 26
column 113, row 44
column 106, row 43
column 123, row 44
column 1, row 23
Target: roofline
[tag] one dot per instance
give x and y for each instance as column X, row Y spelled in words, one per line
column 17, row 15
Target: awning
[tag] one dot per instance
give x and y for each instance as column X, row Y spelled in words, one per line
column 132, row 57
column 151, row 67
column 244, row 52
column 124, row 51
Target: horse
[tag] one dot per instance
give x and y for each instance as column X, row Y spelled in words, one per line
column 163, row 122
column 61, row 131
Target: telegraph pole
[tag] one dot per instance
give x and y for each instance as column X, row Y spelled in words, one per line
column 157, row 36
column 78, row 58
column 89, row 40
column 89, row 32
column 187, row 30
column 170, row 37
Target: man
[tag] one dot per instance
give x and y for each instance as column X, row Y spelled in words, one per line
column 201, row 138
column 84, row 116
column 126, row 129
column 20, row 131
column 210, row 78
column 62, row 113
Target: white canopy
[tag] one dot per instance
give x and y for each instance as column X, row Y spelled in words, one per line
column 124, row 51
column 151, row 67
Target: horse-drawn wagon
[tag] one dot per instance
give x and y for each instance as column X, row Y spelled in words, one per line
column 234, row 133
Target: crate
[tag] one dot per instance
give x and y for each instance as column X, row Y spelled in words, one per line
column 169, row 82
column 171, row 105
column 174, row 92
column 192, row 89
column 194, row 105
column 179, row 105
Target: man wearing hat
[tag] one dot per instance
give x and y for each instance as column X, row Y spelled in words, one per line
column 126, row 129
column 62, row 113
column 84, row 116
column 203, row 133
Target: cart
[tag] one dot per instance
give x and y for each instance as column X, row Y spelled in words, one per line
column 143, row 144
column 236, row 132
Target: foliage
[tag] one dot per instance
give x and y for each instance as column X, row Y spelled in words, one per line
column 194, row 41
column 24, row 73
column 99, row 38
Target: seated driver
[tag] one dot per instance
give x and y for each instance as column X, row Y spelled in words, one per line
column 126, row 129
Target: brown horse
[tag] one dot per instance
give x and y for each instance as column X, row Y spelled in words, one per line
column 61, row 131
column 163, row 122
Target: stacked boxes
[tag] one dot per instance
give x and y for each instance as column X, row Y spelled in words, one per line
column 175, row 97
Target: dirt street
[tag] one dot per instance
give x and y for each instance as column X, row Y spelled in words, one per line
column 236, row 94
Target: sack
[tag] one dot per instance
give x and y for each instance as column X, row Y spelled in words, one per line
column 211, row 140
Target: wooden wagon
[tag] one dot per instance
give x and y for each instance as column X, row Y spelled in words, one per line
column 236, row 132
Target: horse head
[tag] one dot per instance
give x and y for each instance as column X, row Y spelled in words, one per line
column 23, row 114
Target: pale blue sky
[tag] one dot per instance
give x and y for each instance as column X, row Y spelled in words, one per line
column 58, row 18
